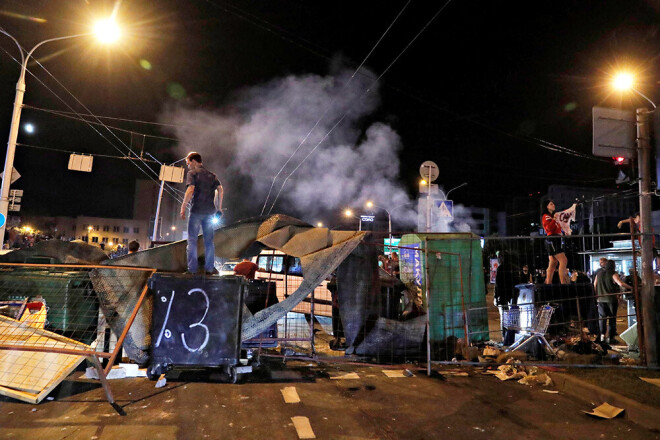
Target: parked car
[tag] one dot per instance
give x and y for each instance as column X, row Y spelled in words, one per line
column 286, row 272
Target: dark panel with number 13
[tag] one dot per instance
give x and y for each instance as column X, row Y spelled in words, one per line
column 196, row 320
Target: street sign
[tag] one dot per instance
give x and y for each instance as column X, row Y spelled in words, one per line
column 429, row 170
column 170, row 173
column 14, row 175
column 3, row 220
column 16, row 192
column 445, row 208
column 14, row 207
column 367, row 218
column 614, row 132
column 13, row 200
column 81, row 162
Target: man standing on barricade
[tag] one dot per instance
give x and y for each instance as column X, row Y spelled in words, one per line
column 206, row 193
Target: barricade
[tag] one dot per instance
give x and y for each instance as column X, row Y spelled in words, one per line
column 53, row 316
column 446, row 288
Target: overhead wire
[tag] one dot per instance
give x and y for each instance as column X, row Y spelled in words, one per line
column 169, row 189
column 288, row 36
column 81, row 117
column 327, row 109
column 442, row 8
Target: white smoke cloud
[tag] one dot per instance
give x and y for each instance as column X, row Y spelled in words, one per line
column 247, row 143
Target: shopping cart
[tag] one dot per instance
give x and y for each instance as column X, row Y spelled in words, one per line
column 534, row 333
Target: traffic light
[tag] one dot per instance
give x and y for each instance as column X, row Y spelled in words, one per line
column 620, row 160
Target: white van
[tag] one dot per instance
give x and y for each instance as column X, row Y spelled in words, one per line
column 286, row 272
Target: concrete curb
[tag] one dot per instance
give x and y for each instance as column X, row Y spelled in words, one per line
column 643, row 415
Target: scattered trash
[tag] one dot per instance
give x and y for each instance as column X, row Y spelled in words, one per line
column 50, row 398
column 605, row 411
column 511, row 370
column 290, row 395
column 551, row 391
column 34, row 409
column 161, row 381
column 491, row 351
column 476, row 428
column 408, row 373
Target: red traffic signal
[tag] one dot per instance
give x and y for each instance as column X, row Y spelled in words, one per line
column 620, row 160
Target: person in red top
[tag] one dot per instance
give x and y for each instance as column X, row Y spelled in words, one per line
column 554, row 244
column 246, row 268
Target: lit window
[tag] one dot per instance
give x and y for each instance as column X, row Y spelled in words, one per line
column 105, row 239
column 95, row 239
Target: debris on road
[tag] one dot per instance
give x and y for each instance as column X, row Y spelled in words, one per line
column 161, row 381
column 303, row 427
column 605, row 411
column 290, row 395
column 346, row 376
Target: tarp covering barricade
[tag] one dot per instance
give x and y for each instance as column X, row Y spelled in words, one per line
column 319, row 249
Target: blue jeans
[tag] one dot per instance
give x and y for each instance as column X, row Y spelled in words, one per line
column 205, row 221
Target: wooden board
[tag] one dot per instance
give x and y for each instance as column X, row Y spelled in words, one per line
column 28, row 375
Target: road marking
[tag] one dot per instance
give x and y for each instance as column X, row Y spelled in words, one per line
column 303, row 428
column 290, row 395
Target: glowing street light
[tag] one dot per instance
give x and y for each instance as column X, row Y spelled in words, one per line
column 371, row 204
column 623, row 81
column 319, row 224
column 349, row 213
column 105, row 33
column 29, row 128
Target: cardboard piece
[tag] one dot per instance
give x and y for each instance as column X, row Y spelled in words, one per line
column 346, row 376
column 290, row 395
column 396, row 373
column 605, row 411
column 303, row 427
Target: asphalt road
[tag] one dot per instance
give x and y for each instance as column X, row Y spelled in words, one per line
column 373, row 406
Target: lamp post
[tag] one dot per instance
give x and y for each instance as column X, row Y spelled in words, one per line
column 389, row 220
column 349, row 213
column 625, row 82
column 106, row 32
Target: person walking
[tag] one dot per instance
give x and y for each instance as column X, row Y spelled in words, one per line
column 554, row 244
column 204, row 193
column 607, row 285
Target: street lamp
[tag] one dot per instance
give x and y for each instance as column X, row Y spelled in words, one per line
column 349, row 213
column 625, row 82
column 108, row 32
column 371, row 204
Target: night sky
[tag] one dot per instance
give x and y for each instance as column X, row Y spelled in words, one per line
column 481, row 91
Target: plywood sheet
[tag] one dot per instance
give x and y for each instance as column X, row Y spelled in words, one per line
column 29, row 372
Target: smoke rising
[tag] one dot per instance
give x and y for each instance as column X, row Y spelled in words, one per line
column 247, row 143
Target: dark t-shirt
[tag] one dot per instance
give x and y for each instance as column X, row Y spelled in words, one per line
column 205, row 183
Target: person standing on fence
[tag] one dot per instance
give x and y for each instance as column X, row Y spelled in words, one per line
column 205, row 191
column 554, row 244
column 607, row 285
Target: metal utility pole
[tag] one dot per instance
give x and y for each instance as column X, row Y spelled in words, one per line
column 646, row 229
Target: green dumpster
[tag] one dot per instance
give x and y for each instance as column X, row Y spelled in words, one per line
column 456, row 285
column 72, row 304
